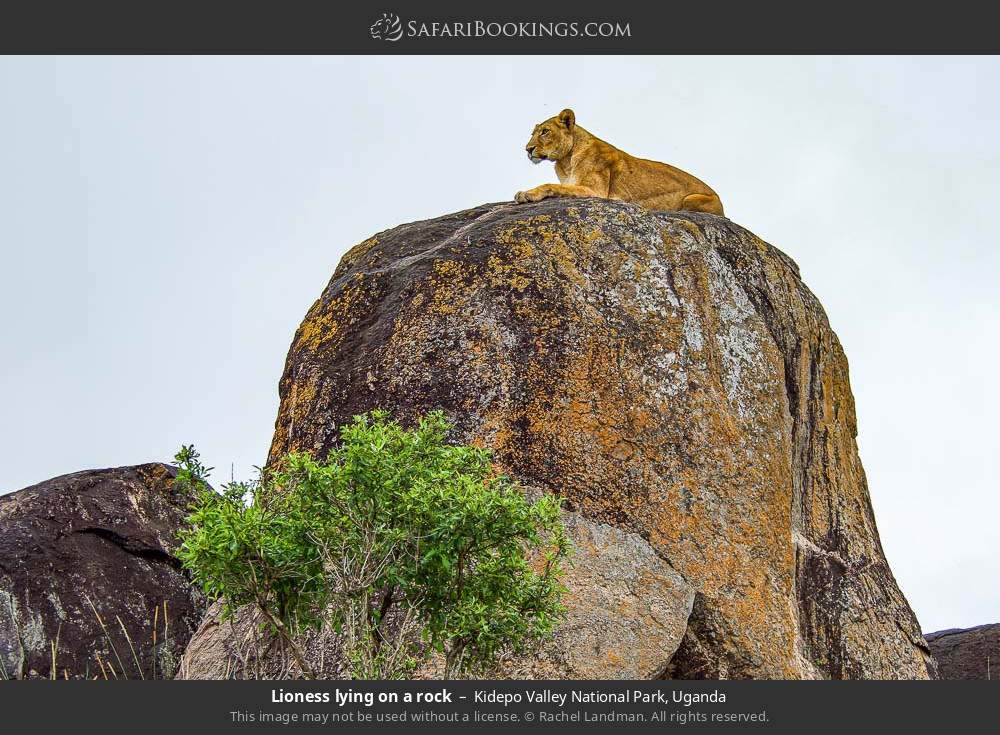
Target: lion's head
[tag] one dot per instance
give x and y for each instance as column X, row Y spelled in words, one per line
column 552, row 139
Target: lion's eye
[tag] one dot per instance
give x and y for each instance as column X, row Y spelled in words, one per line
column 544, row 133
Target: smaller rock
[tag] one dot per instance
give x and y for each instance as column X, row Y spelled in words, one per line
column 87, row 563
column 967, row 653
column 627, row 611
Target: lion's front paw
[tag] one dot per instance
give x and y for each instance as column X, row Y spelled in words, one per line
column 531, row 195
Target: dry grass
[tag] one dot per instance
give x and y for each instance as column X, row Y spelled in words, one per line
column 161, row 656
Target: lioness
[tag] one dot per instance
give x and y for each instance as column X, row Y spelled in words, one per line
column 589, row 167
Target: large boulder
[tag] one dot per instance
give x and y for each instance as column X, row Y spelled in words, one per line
column 967, row 653
column 87, row 567
column 670, row 376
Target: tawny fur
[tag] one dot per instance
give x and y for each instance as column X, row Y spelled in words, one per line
column 589, row 167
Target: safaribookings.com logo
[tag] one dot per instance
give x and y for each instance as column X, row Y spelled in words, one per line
column 387, row 28
column 390, row 28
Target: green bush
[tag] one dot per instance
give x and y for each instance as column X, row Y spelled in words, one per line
column 397, row 540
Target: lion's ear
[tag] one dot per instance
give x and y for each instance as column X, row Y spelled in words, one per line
column 568, row 118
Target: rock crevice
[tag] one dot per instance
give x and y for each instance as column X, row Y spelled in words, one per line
column 129, row 547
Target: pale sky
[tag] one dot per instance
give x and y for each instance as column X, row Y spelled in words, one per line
column 165, row 223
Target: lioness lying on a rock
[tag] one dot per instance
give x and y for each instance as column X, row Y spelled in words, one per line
column 589, row 167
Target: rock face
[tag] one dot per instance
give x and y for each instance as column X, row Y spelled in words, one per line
column 672, row 378
column 627, row 609
column 970, row 653
column 104, row 537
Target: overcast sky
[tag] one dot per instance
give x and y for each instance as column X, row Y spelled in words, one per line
column 165, row 223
